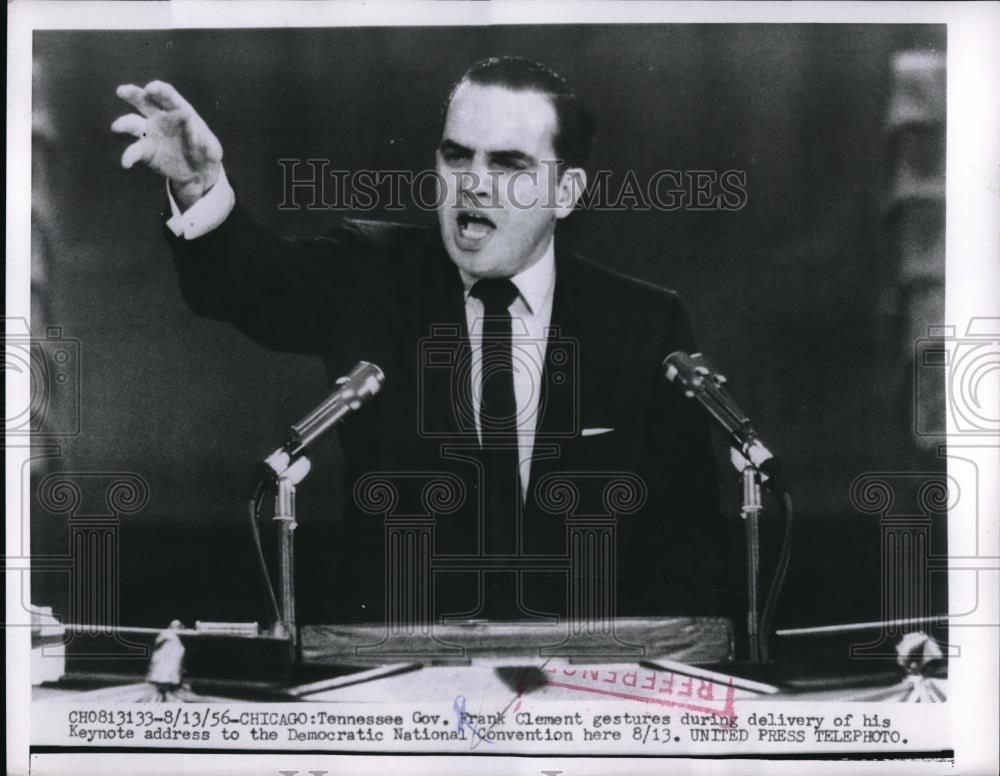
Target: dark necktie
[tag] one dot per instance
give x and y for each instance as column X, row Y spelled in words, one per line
column 498, row 418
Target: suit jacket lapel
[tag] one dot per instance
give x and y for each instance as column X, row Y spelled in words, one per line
column 566, row 361
column 436, row 339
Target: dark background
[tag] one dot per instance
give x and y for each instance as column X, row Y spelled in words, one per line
column 788, row 295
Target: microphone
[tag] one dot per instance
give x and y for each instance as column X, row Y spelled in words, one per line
column 363, row 382
column 700, row 382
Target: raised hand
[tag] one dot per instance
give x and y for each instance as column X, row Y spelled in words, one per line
column 171, row 139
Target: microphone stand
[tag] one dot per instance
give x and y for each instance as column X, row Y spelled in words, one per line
column 287, row 466
column 751, row 458
column 284, row 516
column 750, row 510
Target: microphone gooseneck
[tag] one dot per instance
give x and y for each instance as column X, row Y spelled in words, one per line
column 353, row 390
column 701, row 383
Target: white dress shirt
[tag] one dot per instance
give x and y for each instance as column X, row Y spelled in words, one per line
column 531, row 314
column 204, row 215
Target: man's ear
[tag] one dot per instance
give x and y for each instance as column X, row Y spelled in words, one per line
column 572, row 184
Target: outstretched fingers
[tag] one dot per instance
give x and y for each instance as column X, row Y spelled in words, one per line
column 137, row 152
column 169, row 136
column 165, row 96
column 130, row 124
column 138, row 99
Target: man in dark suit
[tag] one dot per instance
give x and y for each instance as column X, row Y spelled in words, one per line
column 523, row 382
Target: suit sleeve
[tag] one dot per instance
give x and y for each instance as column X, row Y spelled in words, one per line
column 286, row 294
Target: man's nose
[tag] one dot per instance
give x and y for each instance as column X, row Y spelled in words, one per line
column 477, row 184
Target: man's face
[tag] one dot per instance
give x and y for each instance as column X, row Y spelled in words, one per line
column 497, row 162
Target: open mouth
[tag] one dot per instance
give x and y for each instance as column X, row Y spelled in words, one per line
column 473, row 227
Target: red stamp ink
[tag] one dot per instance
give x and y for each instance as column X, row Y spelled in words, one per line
column 663, row 688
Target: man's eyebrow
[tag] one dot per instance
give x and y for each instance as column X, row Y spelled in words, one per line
column 453, row 147
column 513, row 156
column 505, row 156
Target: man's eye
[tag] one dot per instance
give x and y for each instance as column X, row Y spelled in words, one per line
column 510, row 165
column 454, row 157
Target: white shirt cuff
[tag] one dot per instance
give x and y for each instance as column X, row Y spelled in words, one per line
column 204, row 215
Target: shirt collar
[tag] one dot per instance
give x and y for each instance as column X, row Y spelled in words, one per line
column 535, row 283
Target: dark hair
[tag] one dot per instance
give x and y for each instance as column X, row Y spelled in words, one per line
column 574, row 122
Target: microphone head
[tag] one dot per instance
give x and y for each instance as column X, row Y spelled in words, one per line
column 353, row 390
column 684, row 369
column 363, row 382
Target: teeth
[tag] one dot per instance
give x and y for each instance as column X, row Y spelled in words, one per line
column 475, row 217
column 475, row 229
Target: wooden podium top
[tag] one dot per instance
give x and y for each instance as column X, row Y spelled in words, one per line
column 354, row 658
column 683, row 639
